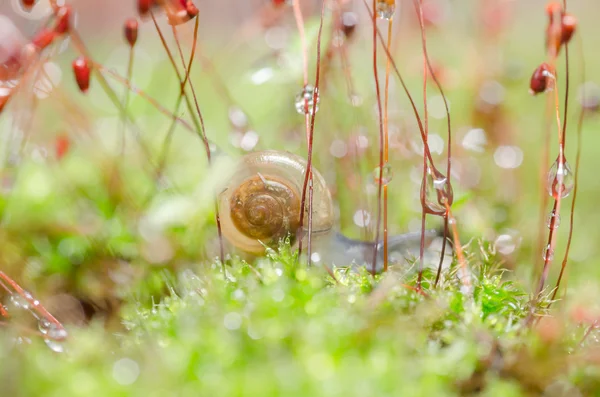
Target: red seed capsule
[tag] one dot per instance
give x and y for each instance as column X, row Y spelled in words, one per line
column 144, row 7
column 43, row 38
column 62, row 146
column 63, row 20
column 552, row 9
column 568, row 26
column 191, row 9
column 131, row 31
column 539, row 79
column 82, row 71
column 278, row 3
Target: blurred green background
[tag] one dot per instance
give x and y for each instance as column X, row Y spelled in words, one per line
column 95, row 232
column 249, row 66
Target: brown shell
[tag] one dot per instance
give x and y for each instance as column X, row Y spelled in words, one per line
column 260, row 203
column 265, row 207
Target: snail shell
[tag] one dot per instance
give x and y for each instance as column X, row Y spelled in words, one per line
column 261, row 202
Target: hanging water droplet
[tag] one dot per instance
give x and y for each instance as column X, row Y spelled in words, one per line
column 56, row 332
column 385, row 9
column 553, row 217
column 305, row 100
column 44, row 325
column 548, row 253
column 386, row 174
column 560, row 179
column 437, row 192
column 55, row 346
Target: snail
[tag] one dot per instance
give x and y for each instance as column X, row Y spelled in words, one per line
column 260, row 204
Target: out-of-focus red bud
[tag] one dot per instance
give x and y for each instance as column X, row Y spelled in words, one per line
column 539, row 79
column 144, row 7
column 131, row 31
column 44, row 38
column 569, row 24
column 552, row 9
column 191, row 9
column 63, row 20
column 82, row 70
column 62, row 146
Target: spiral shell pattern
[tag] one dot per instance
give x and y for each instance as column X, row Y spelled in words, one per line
column 265, row 207
column 261, row 201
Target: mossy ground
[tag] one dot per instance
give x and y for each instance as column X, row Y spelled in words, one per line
column 276, row 327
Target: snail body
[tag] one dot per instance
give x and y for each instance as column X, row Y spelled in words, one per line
column 261, row 203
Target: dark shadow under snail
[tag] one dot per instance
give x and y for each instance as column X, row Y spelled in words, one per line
column 260, row 204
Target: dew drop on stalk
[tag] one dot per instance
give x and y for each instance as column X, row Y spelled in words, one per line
column 44, row 325
column 548, row 253
column 437, row 192
column 56, row 332
column 560, row 179
column 386, row 174
column 19, row 302
column 305, row 100
column 385, row 9
column 553, row 220
column 55, row 346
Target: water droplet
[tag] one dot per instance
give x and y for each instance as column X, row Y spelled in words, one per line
column 475, row 140
column 125, row 371
column 386, row 8
column 237, row 117
column 560, row 179
column 589, row 96
column 55, row 346
column 277, row 37
column 386, row 174
column 249, row 141
column 22, row 340
column 305, row 100
column 505, row 244
column 508, row 157
column 548, row 253
column 19, row 302
column 232, row 321
column 438, row 192
column 492, row 93
column 44, row 325
column 553, row 217
column 338, row 148
column 356, row 100
column 362, row 218
column 262, row 76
